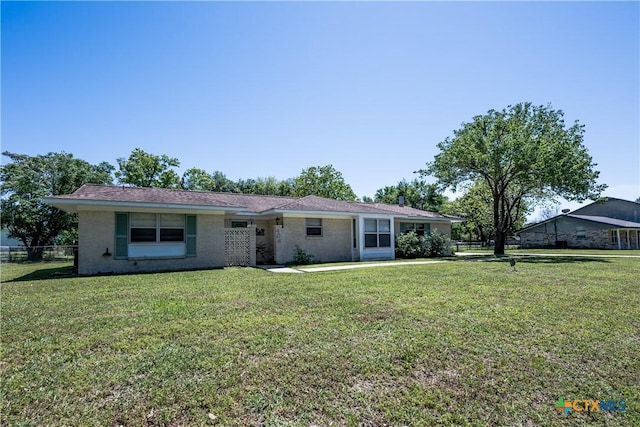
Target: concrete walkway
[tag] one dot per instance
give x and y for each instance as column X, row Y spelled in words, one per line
column 283, row 269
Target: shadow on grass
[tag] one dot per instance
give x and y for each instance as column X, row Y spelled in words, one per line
column 531, row 259
column 45, row 273
column 535, row 259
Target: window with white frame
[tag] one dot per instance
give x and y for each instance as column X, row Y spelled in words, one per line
column 314, row 227
column 614, row 236
column 154, row 228
column 419, row 228
column 377, row 233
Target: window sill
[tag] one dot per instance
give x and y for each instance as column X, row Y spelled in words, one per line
column 314, row 237
column 145, row 258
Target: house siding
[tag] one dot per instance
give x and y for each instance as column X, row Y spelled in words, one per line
column 444, row 228
column 96, row 232
column 334, row 244
column 612, row 208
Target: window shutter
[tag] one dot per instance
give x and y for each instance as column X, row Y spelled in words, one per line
column 122, row 236
column 191, row 235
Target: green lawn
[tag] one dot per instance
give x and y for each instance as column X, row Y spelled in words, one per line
column 455, row 343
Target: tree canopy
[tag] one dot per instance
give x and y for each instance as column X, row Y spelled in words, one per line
column 142, row 169
column 524, row 154
column 417, row 194
column 26, row 180
column 476, row 207
column 269, row 186
column 323, row 181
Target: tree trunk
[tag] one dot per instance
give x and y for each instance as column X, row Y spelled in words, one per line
column 34, row 253
column 501, row 238
column 498, row 217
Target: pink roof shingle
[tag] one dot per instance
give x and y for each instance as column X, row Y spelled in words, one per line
column 248, row 202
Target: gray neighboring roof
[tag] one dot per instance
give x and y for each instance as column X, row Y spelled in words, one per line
column 249, row 203
column 615, row 223
column 620, row 223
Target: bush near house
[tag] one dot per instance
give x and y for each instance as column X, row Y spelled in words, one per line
column 301, row 257
column 434, row 244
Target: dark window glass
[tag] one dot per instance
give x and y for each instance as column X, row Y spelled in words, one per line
column 172, row 235
column 143, row 235
column 314, row 231
column 385, row 240
column 370, row 240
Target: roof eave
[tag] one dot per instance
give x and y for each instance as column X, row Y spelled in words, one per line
column 75, row 205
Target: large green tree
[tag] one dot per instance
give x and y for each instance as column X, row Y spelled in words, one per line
column 476, row 207
column 266, row 186
column 142, row 169
column 417, row 194
column 26, row 180
column 523, row 151
column 196, row 179
column 323, row 181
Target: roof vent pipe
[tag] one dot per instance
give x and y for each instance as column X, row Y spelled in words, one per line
column 401, row 201
column 565, row 211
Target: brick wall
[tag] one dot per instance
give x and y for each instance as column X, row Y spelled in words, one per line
column 96, row 232
column 334, row 244
column 595, row 239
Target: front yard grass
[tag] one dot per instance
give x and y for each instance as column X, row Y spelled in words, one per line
column 455, row 343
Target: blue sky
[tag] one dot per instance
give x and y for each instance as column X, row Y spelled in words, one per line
column 269, row 88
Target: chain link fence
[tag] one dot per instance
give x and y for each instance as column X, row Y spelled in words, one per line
column 49, row 253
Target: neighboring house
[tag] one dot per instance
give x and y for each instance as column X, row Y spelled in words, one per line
column 129, row 229
column 607, row 224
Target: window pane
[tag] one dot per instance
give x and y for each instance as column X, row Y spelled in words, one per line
column 406, row 226
column 172, row 235
column 370, row 240
column 314, row 222
column 238, row 224
column 370, row 225
column 385, row 240
column 171, row 220
column 384, row 225
column 143, row 220
column 314, row 231
column 143, row 234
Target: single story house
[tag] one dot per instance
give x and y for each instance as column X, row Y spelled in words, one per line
column 607, row 224
column 130, row 229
